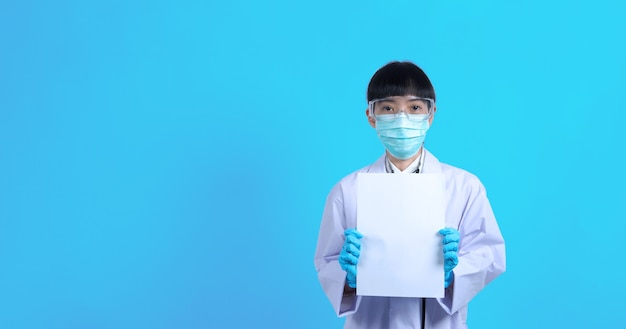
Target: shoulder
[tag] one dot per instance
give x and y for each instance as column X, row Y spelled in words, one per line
column 459, row 174
column 452, row 174
column 461, row 179
column 348, row 183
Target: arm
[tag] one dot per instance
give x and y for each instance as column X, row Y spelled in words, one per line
column 329, row 244
column 481, row 253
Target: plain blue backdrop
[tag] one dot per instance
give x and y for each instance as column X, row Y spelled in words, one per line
column 164, row 164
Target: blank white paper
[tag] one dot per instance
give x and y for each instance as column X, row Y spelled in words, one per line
column 400, row 216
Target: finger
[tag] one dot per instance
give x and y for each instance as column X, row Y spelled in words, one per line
column 352, row 249
column 449, row 231
column 353, row 241
column 451, row 237
column 451, row 256
column 452, row 246
column 448, row 279
column 351, row 270
column 450, row 261
column 344, row 264
column 353, row 232
column 448, row 268
column 351, row 280
column 348, row 258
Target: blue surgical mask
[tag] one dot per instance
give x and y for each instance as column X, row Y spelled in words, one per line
column 402, row 136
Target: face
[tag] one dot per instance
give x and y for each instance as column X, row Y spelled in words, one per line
column 395, row 105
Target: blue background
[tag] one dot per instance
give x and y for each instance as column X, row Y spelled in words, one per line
column 164, row 164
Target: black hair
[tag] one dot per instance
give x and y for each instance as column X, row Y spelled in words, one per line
column 400, row 79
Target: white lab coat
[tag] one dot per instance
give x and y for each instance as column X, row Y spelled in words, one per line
column 481, row 254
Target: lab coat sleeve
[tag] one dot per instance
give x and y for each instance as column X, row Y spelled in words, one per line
column 329, row 243
column 481, row 252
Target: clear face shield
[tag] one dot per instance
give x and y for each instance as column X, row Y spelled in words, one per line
column 390, row 108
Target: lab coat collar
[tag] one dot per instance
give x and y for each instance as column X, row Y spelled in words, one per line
column 431, row 164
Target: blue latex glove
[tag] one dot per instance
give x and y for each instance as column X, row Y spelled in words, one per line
column 349, row 255
column 451, row 239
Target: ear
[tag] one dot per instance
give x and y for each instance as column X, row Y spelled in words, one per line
column 430, row 121
column 370, row 119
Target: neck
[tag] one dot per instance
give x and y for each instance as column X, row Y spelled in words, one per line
column 403, row 164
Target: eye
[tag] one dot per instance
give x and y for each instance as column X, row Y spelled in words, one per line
column 416, row 108
column 387, row 109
